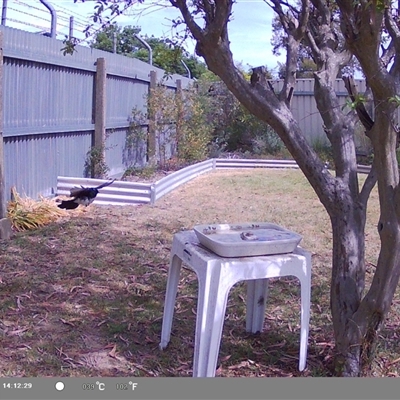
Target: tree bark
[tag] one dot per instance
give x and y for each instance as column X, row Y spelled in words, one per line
column 347, row 284
column 356, row 319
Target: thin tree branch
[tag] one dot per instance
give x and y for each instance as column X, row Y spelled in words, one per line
column 388, row 53
column 367, row 187
column 303, row 20
column 295, row 30
column 197, row 32
column 317, row 55
column 361, row 111
column 394, row 33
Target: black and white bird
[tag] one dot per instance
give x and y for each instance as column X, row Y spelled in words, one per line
column 83, row 196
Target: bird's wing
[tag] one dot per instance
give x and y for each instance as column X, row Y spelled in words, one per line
column 75, row 191
column 105, row 184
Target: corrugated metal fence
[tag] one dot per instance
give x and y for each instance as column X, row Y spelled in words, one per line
column 51, row 109
column 305, row 110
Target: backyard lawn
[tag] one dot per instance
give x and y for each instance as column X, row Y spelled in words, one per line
column 84, row 296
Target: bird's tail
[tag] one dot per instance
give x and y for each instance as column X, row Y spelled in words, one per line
column 108, row 183
column 68, row 204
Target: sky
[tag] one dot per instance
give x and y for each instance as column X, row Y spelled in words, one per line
column 250, row 30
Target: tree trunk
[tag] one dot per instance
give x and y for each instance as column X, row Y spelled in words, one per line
column 356, row 335
column 356, row 319
column 347, row 285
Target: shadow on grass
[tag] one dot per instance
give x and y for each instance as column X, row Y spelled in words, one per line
column 85, row 298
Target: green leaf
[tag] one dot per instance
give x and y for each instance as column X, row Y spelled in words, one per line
column 395, row 99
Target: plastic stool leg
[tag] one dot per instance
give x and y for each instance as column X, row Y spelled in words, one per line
column 305, row 321
column 211, row 307
column 250, row 297
column 217, row 325
column 257, row 293
column 170, row 297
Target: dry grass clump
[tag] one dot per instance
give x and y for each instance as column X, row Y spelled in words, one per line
column 27, row 214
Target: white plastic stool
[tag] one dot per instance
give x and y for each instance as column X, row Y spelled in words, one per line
column 216, row 276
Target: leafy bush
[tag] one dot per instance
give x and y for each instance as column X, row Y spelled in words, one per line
column 193, row 128
column 95, row 164
column 180, row 125
column 235, row 128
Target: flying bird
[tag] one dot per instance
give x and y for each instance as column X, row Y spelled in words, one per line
column 82, row 195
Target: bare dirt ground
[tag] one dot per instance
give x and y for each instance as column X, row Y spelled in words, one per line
column 84, row 296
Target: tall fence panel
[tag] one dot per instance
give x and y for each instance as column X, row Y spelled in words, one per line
column 49, row 106
column 32, row 160
column 50, row 113
column 305, row 108
column 118, row 110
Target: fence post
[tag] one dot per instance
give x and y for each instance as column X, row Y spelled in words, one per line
column 152, row 141
column 5, row 224
column 99, row 137
column 179, row 116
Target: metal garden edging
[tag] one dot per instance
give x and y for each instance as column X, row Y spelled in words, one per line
column 254, row 163
column 133, row 193
column 227, row 163
column 119, row 193
column 172, row 181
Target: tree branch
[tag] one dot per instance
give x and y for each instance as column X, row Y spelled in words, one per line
column 392, row 27
column 316, row 52
column 303, row 20
column 209, row 9
column 367, row 187
column 261, row 101
column 295, row 30
column 222, row 14
column 388, row 53
column 394, row 33
column 323, row 11
column 361, row 27
column 361, row 111
column 197, row 32
column 216, row 16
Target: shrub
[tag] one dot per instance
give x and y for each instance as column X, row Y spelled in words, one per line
column 180, row 124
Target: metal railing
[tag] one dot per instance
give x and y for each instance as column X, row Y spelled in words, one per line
column 131, row 193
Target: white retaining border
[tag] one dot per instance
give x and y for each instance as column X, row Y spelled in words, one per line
column 133, row 193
